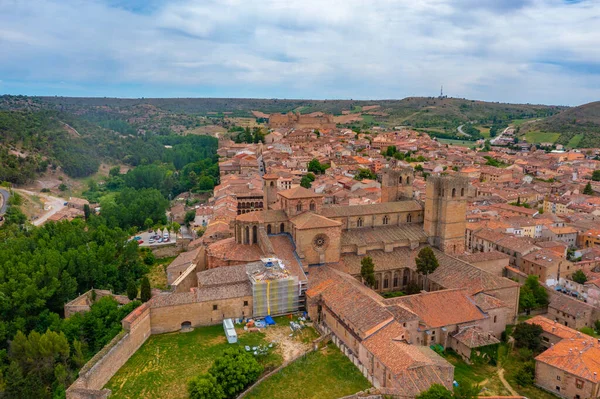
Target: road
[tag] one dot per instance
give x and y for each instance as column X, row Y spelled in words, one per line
column 5, row 195
column 462, row 132
column 51, row 205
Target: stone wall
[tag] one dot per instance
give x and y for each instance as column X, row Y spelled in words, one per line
column 100, row 369
column 169, row 318
column 561, row 383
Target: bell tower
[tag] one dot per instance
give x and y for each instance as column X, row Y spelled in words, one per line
column 396, row 184
column 269, row 189
column 445, row 212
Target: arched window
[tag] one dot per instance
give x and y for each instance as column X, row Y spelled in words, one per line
column 281, row 228
column 359, row 222
column 453, row 192
column 407, row 179
column 313, row 206
column 386, row 282
column 272, row 184
column 247, row 235
column 254, row 234
column 299, row 207
column 386, row 219
column 268, row 229
column 462, row 192
column 400, row 180
column 408, row 218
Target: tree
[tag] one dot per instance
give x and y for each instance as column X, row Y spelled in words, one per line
column 526, row 374
column 145, row 291
column 189, row 217
column 86, row 211
column 63, row 187
column 364, row 173
column 466, row 390
column 528, row 336
column 436, row 391
column 316, row 167
column 205, row 387
column 367, row 271
column 426, row 262
column 235, row 370
column 176, row 228
column 114, row 171
column 596, row 175
column 579, row 277
column 305, row 182
column 132, row 290
column 588, row 190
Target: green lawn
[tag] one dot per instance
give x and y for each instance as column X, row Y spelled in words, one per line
column 541, row 137
column 574, row 141
column 368, row 118
column 512, row 365
column 164, row 364
column 462, row 143
column 325, row 374
column 485, row 130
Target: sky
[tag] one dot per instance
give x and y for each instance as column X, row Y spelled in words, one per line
column 526, row 51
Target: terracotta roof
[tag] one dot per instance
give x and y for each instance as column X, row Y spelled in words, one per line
column 184, row 259
column 222, row 275
column 404, row 232
column 310, row 220
column 441, row 308
column 358, row 306
column 454, row 273
column 483, row 257
column 228, row 249
column 474, row 337
column 570, row 305
column 579, row 357
column 371, row 209
column 298, row 193
column 419, row 366
column 487, row 302
column 554, row 328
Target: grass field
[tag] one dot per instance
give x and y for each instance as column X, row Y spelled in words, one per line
column 326, row 374
column 519, row 122
column 574, row 141
column 158, row 274
column 162, row 367
column 462, row 143
column 486, row 376
column 541, row 137
column 485, row 130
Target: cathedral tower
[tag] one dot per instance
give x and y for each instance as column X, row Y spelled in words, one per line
column 396, row 184
column 445, row 212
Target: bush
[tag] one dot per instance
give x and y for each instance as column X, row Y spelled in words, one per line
column 235, row 371
column 205, row 387
column 528, row 336
column 145, row 291
column 149, row 258
column 436, row 391
column 526, row 374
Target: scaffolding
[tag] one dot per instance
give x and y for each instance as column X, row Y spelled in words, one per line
column 274, row 290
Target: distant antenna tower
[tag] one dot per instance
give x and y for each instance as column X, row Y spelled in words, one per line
column 442, row 92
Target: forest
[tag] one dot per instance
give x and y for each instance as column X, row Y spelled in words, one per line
column 42, row 268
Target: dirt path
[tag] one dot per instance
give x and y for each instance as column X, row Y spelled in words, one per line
column 506, row 384
column 51, row 204
column 290, row 346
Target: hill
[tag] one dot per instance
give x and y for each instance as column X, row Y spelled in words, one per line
column 438, row 116
column 578, row 126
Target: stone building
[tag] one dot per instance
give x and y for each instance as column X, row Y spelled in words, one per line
column 299, row 121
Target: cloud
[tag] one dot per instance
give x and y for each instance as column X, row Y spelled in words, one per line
column 542, row 51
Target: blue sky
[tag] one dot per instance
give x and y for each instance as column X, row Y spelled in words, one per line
column 536, row 51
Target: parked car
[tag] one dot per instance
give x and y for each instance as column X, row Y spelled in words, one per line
column 160, row 240
column 137, row 238
column 151, row 241
column 140, row 241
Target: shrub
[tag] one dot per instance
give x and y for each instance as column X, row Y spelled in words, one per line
column 526, row 374
column 235, row 371
column 528, row 336
column 205, row 387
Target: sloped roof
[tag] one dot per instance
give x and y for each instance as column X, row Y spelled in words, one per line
column 554, row 328
column 474, row 337
column 310, row 220
column 371, row 209
column 580, row 357
column 298, row 193
column 441, row 308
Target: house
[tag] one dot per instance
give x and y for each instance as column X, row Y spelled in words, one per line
column 570, row 368
column 570, row 312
